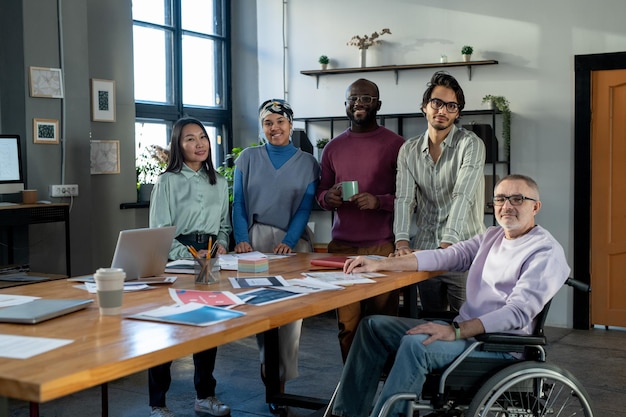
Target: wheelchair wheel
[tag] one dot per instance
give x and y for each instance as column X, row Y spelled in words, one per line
column 531, row 389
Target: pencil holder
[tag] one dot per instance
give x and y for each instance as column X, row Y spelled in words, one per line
column 207, row 270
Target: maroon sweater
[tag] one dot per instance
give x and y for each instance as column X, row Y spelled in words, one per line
column 369, row 158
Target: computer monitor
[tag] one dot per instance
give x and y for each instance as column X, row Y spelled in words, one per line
column 11, row 173
column 301, row 140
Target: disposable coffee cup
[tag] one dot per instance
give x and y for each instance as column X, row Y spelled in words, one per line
column 110, row 290
column 29, row 196
column 348, row 189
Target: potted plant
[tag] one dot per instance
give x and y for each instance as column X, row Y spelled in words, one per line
column 150, row 164
column 323, row 60
column 319, row 145
column 227, row 169
column 467, row 52
column 502, row 104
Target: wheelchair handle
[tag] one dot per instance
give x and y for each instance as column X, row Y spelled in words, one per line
column 578, row 285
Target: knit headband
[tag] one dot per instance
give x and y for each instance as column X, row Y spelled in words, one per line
column 276, row 106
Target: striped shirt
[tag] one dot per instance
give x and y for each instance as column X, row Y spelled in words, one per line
column 448, row 196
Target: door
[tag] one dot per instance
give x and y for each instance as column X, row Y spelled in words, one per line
column 608, row 198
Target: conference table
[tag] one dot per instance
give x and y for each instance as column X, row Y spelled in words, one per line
column 106, row 348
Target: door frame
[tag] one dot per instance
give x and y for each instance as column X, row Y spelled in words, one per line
column 583, row 66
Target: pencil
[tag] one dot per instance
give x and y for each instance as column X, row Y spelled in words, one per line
column 208, row 254
column 193, row 251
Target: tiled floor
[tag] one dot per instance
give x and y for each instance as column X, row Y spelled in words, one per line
column 596, row 357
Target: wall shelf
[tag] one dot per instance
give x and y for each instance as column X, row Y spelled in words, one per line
column 397, row 68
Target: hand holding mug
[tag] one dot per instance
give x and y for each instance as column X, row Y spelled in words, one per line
column 333, row 196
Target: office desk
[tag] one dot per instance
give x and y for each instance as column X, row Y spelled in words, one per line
column 27, row 214
column 108, row 348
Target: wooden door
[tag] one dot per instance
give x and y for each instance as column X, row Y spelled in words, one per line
column 608, row 198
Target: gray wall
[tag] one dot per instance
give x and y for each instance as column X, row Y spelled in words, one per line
column 94, row 38
column 87, row 39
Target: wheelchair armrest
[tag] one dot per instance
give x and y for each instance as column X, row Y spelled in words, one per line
column 511, row 339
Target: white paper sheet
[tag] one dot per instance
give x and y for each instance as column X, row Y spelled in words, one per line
column 7, row 300
column 24, row 347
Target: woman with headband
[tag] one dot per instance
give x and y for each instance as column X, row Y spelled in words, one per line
column 273, row 193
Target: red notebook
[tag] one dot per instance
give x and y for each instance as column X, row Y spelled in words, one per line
column 331, row 261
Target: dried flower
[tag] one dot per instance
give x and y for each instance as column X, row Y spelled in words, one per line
column 367, row 41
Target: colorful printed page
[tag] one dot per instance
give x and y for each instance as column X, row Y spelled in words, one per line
column 193, row 314
column 210, row 298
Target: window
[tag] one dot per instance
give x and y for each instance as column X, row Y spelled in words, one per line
column 181, row 66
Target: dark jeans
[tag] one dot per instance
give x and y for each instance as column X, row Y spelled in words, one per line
column 159, row 378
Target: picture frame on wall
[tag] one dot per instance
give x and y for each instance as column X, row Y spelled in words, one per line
column 46, row 131
column 105, row 157
column 102, row 100
column 46, row 82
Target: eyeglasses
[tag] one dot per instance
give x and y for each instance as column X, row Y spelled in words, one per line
column 515, row 199
column 451, row 106
column 362, row 99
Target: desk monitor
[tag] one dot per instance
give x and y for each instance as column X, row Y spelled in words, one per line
column 11, row 173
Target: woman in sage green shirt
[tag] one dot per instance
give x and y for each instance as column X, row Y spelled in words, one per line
column 192, row 196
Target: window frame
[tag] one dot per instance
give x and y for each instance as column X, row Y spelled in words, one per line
column 169, row 113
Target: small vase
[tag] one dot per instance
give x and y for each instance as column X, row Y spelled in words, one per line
column 363, row 57
column 324, row 66
column 467, row 57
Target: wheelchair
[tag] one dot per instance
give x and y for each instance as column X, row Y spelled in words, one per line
column 480, row 387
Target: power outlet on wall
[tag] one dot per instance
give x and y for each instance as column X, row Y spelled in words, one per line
column 65, row 190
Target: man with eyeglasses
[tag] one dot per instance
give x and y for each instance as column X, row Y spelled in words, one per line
column 513, row 271
column 440, row 179
column 366, row 153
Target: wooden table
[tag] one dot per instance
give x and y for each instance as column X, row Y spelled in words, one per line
column 108, row 348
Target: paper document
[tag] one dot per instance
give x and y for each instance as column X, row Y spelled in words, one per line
column 312, row 284
column 7, row 300
column 210, row 298
column 180, row 266
column 193, row 314
column 339, row 278
column 262, row 296
column 128, row 287
column 229, row 261
column 24, row 347
column 250, row 282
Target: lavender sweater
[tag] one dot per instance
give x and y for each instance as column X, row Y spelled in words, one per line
column 509, row 281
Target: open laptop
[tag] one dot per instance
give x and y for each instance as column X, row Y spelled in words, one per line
column 41, row 309
column 142, row 254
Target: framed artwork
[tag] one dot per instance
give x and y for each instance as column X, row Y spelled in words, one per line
column 46, row 131
column 102, row 100
column 46, row 82
column 105, row 157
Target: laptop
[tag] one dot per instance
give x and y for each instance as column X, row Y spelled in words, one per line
column 142, row 254
column 41, row 309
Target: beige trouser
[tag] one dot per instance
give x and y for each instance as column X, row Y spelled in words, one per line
column 263, row 238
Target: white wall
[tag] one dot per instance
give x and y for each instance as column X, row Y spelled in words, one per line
column 534, row 41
